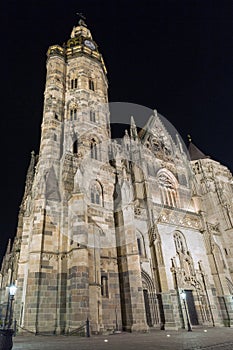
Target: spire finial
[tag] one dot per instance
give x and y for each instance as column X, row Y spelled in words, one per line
column 189, row 138
column 81, row 20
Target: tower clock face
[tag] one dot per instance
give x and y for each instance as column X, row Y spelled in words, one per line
column 89, row 44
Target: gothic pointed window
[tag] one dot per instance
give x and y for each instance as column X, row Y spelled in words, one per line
column 93, row 149
column 104, row 286
column 180, row 243
column 73, row 114
column 140, row 244
column 96, row 194
column 168, row 189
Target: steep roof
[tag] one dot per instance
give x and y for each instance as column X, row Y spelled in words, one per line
column 195, row 153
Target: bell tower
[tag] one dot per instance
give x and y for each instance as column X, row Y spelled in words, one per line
column 76, row 95
column 86, row 110
column 56, row 255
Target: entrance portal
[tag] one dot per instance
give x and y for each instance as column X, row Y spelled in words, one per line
column 147, row 308
column 191, row 307
column 150, row 301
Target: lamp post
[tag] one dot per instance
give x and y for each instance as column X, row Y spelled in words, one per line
column 12, row 291
column 6, row 332
column 183, row 297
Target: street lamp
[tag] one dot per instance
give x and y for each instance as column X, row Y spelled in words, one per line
column 6, row 332
column 183, row 297
column 12, row 291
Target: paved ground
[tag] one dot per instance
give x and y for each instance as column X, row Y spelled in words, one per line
column 209, row 339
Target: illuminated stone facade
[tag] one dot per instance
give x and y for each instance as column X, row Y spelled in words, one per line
column 114, row 232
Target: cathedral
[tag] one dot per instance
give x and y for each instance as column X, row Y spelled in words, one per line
column 133, row 234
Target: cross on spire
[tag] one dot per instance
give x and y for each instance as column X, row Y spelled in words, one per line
column 81, row 21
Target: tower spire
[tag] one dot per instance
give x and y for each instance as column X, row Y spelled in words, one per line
column 194, row 152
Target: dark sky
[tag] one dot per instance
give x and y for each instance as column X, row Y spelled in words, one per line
column 175, row 56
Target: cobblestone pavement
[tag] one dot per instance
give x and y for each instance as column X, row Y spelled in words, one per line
column 206, row 339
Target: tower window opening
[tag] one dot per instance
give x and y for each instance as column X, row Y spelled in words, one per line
column 92, row 116
column 104, row 286
column 55, row 137
column 74, row 83
column 139, row 246
column 73, row 114
column 93, row 149
column 91, row 85
column 75, row 147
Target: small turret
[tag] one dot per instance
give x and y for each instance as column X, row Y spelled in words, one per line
column 133, row 129
column 194, row 152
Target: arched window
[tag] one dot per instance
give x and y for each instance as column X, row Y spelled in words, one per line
column 93, row 149
column 140, row 244
column 91, row 85
column 96, row 193
column 184, row 256
column 180, row 243
column 168, row 189
column 73, row 114
column 104, row 286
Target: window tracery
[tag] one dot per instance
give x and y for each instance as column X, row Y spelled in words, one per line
column 180, row 243
column 168, row 189
column 96, row 193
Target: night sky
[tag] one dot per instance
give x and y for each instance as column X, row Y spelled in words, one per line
column 175, row 56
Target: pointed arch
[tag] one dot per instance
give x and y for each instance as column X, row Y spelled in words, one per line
column 219, row 256
column 72, row 110
column 141, row 244
column 147, row 281
column 183, row 254
column 96, row 193
column 150, row 300
column 180, row 242
column 168, row 186
column 94, row 151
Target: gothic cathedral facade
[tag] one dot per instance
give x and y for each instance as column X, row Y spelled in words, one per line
column 116, row 231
